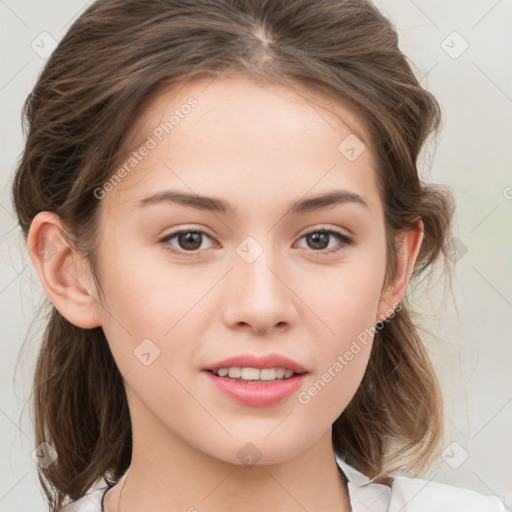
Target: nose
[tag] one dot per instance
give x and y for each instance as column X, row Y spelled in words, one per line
column 259, row 298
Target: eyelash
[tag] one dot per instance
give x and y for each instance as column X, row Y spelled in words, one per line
column 346, row 241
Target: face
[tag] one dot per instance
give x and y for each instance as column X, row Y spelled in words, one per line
column 262, row 269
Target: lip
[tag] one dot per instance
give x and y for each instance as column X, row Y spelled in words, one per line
column 254, row 361
column 261, row 394
column 256, row 394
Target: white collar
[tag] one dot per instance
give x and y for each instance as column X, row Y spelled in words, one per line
column 364, row 495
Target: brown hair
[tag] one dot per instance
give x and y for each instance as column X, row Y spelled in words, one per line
column 115, row 56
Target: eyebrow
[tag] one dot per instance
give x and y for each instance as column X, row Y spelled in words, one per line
column 213, row 204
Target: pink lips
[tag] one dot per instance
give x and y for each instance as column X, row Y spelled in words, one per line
column 257, row 394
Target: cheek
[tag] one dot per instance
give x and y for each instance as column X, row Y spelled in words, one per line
column 143, row 289
column 342, row 351
column 149, row 299
column 346, row 298
column 347, row 306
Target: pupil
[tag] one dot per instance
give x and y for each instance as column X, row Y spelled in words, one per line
column 190, row 237
column 316, row 238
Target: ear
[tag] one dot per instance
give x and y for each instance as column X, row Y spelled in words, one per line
column 409, row 243
column 63, row 275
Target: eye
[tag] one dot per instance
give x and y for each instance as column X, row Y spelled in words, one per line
column 188, row 240
column 320, row 239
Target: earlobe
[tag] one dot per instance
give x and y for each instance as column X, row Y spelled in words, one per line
column 64, row 281
column 409, row 244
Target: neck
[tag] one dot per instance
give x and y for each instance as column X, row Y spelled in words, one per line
column 191, row 481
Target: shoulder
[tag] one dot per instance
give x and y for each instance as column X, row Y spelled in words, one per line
column 414, row 495
column 89, row 503
column 418, row 495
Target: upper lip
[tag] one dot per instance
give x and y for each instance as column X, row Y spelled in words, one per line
column 254, row 361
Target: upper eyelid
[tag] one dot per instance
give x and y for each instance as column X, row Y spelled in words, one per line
column 312, row 230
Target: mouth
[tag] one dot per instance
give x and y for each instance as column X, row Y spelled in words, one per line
column 256, row 380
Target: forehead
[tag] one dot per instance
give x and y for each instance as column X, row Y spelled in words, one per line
column 227, row 133
column 238, row 99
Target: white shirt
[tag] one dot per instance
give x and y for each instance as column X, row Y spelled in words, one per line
column 405, row 495
column 413, row 495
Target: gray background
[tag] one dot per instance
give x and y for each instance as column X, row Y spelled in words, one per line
column 471, row 343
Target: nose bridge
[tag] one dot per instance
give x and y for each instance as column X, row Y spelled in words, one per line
column 256, row 265
column 261, row 298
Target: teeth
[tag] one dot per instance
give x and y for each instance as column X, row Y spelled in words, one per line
column 266, row 373
column 235, row 373
column 249, row 374
column 254, row 373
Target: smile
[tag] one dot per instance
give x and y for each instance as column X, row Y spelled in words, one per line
column 255, row 392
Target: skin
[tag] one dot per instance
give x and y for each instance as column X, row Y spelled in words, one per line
column 259, row 147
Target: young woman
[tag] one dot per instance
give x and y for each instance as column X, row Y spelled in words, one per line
column 222, row 202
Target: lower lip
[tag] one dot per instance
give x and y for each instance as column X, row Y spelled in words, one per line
column 256, row 394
